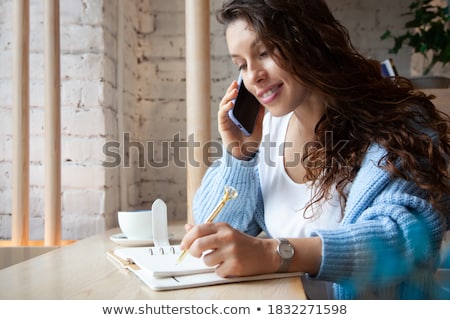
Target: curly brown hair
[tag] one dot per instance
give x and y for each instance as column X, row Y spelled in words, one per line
column 363, row 107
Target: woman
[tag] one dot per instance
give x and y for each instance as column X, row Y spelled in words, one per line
column 350, row 177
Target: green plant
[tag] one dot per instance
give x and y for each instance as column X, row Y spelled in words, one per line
column 428, row 33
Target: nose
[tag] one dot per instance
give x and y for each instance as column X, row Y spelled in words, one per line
column 255, row 73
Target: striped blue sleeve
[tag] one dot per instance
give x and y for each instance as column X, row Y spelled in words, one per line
column 241, row 213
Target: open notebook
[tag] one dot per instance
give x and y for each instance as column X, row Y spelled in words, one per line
column 157, row 268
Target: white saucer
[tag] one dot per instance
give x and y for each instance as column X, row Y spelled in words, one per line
column 121, row 238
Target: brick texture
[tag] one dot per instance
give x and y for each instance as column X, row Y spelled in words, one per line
column 123, row 88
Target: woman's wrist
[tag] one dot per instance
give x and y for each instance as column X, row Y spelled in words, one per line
column 241, row 157
column 244, row 152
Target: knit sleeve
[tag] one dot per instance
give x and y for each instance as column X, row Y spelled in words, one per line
column 389, row 238
column 394, row 243
column 242, row 213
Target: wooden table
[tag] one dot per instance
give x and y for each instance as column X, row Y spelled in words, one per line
column 83, row 271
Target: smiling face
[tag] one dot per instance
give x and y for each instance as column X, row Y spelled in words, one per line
column 276, row 89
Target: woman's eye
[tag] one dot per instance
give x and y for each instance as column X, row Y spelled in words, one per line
column 242, row 67
column 264, row 53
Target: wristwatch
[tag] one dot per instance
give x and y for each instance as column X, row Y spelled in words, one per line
column 286, row 252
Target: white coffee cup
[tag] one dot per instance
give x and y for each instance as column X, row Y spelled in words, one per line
column 136, row 225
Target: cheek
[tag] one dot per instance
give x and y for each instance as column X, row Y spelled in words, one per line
column 299, row 94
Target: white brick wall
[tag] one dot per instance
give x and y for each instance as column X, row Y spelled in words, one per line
column 151, row 99
column 88, row 75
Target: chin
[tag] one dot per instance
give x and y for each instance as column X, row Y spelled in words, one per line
column 278, row 113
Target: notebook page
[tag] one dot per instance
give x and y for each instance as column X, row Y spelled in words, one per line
column 163, row 264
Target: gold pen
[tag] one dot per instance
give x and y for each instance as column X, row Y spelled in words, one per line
column 230, row 193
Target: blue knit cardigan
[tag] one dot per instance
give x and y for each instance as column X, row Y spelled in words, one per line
column 386, row 247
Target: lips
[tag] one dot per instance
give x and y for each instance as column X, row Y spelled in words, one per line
column 270, row 93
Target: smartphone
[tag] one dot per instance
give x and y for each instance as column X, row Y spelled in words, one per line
column 245, row 109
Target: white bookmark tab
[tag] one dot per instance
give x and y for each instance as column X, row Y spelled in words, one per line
column 159, row 222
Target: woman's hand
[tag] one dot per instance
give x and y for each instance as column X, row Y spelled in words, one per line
column 236, row 143
column 233, row 252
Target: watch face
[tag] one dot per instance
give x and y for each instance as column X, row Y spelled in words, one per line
column 286, row 250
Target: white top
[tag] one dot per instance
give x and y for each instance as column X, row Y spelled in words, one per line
column 284, row 199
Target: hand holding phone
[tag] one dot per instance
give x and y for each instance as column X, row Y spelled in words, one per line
column 245, row 109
